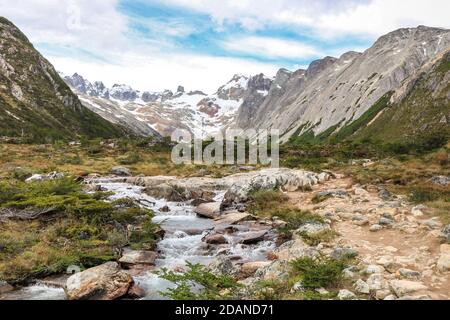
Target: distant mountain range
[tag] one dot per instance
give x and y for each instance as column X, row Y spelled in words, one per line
column 397, row 89
column 195, row 111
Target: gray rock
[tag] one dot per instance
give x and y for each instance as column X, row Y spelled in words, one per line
column 409, row 274
column 254, row 237
column 445, row 234
column 121, row 171
column 385, row 195
column 223, row 265
column 361, row 287
column 346, row 295
column 313, row 228
column 385, row 222
column 337, row 193
column 441, row 180
column 277, row 270
column 404, row 287
column 375, row 228
column 340, row 253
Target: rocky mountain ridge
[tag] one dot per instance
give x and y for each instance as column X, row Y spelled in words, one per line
column 166, row 111
column 329, row 96
column 333, row 93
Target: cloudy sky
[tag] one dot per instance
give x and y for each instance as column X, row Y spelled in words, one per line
column 156, row 44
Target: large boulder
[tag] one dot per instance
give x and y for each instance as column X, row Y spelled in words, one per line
column 286, row 179
column 132, row 257
column 209, row 210
column 104, row 282
column 215, row 239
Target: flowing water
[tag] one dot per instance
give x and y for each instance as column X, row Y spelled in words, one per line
column 182, row 243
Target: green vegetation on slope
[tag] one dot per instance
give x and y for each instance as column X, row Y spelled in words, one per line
column 35, row 103
column 50, row 225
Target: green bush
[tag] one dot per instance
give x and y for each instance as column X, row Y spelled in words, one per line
column 319, row 273
column 199, row 284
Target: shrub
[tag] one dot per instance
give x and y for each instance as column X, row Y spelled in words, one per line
column 198, row 284
column 320, row 273
column 261, row 201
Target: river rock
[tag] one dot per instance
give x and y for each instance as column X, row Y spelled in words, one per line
column 254, row 237
column 404, row 287
column 234, row 218
column 443, row 264
column 164, row 191
column 215, row 239
column 165, row 209
column 5, row 287
column 104, row 282
column 132, row 257
column 208, row 210
column 121, row 171
column 136, row 292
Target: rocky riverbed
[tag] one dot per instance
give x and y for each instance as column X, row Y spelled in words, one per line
column 400, row 250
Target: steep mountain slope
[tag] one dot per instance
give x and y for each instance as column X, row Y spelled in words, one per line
column 424, row 110
column 334, row 93
column 195, row 111
column 34, row 101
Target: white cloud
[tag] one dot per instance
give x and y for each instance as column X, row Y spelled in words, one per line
column 271, row 47
column 97, row 27
column 327, row 18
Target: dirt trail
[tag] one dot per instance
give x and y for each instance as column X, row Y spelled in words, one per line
column 405, row 247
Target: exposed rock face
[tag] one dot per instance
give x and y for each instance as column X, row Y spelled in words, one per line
column 105, row 282
column 33, row 95
column 291, row 180
column 334, row 92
